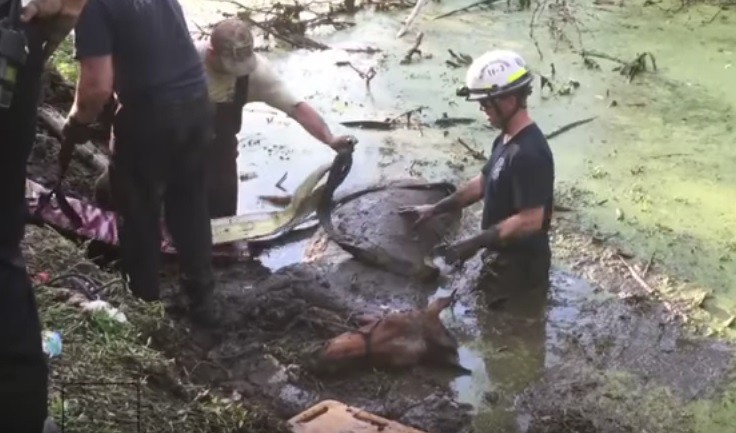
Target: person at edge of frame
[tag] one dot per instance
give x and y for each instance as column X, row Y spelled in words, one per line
column 23, row 368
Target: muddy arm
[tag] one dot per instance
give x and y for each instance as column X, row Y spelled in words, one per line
column 471, row 192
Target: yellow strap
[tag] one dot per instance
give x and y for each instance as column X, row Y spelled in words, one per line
column 256, row 225
column 516, row 75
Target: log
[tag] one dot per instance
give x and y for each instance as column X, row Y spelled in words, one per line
column 53, row 121
column 411, row 17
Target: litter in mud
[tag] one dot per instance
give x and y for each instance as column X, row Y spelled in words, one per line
column 332, row 416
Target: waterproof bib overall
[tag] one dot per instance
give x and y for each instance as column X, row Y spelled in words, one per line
column 223, row 169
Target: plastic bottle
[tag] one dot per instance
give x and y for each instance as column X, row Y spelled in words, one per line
column 51, row 343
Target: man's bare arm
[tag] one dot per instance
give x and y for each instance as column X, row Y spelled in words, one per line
column 469, row 193
column 522, row 224
column 94, row 88
column 312, row 122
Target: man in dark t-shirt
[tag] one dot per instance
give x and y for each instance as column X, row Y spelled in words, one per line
column 143, row 51
column 516, row 186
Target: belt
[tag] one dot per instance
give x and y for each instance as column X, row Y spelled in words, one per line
column 148, row 102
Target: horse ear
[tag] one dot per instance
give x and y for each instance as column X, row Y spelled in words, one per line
column 439, row 304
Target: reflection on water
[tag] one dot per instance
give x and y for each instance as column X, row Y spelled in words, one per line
column 511, row 347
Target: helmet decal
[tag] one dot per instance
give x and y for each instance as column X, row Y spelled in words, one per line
column 494, row 74
column 493, row 68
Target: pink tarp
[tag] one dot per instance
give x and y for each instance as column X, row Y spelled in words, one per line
column 98, row 224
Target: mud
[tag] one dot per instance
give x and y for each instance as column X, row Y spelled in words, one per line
column 626, row 369
column 268, row 349
column 269, row 346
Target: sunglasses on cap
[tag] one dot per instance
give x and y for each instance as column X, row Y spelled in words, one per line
column 237, row 53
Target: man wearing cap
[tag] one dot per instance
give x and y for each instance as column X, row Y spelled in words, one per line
column 235, row 76
column 142, row 50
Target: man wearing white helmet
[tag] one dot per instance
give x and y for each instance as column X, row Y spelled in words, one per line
column 516, row 184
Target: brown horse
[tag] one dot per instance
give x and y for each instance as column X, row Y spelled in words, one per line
column 400, row 339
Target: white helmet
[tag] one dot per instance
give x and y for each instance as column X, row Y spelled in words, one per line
column 495, row 73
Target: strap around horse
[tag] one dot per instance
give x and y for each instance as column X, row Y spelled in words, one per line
column 65, row 157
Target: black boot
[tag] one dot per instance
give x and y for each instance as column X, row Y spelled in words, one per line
column 206, row 311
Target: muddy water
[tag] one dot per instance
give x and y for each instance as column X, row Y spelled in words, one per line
column 657, row 163
column 655, row 169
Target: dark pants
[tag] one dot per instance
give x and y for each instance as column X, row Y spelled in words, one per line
column 23, row 369
column 516, row 289
column 222, row 181
column 159, row 157
column 222, row 176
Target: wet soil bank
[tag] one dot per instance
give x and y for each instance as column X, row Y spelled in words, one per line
column 607, row 356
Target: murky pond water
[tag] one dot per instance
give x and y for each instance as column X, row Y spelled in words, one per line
column 657, row 162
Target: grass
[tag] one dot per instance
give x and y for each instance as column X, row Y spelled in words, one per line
column 137, row 379
column 63, row 59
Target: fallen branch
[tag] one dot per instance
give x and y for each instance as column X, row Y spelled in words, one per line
column 599, row 55
column 649, row 264
column 644, row 285
column 281, row 181
column 668, row 155
column 713, row 18
column 445, row 121
column 276, row 200
column 382, row 125
column 367, row 76
column 408, row 114
column 53, row 121
column 411, row 17
column 568, row 127
column 474, row 153
column 465, row 8
column 367, row 50
column 299, row 41
column 629, row 69
column 535, row 13
column 413, row 50
column 462, row 59
column 561, row 208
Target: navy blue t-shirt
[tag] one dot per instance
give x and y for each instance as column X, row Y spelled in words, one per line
column 153, row 53
column 519, row 175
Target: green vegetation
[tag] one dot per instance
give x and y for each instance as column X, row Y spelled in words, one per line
column 99, row 349
column 63, row 59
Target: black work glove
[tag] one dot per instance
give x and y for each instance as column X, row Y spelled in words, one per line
column 75, row 132
column 460, row 252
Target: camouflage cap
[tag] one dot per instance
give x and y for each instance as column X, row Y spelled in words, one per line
column 232, row 41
